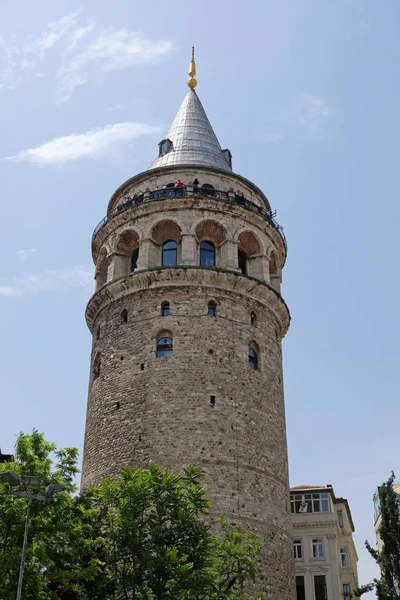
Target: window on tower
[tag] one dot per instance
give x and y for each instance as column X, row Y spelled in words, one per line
column 164, row 146
column 124, row 316
column 212, row 309
column 164, row 347
column 169, row 253
column 96, row 366
column 253, row 358
column 207, row 254
column 165, row 309
column 242, row 261
column 253, row 319
column 134, row 259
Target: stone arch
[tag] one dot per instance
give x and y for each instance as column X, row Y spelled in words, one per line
column 162, row 232
column 210, row 230
column 126, row 253
column 102, row 265
column 164, row 343
column 250, row 259
column 274, row 272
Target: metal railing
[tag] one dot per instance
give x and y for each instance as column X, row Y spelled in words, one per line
column 194, row 192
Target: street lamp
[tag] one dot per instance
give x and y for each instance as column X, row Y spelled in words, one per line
column 29, row 482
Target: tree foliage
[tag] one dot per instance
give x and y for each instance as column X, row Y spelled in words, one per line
column 141, row 537
column 388, row 559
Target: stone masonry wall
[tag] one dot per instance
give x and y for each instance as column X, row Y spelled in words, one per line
column 144, row 408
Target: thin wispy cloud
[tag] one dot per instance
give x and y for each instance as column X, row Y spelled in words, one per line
column 26, row 255
column 80, row 51
column 29, row 284
column 91, row 144
column 311, row 112
column 109, row 51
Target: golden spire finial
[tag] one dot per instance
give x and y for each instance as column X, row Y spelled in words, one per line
column 192, row 72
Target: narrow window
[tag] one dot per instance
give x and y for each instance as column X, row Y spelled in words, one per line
column 164, row 347
column 98, row 333
column 318, row 548
column 207, row 254
column 212, row 309
column 343, row 557
column 320, row 587
column 165, row 309
column 134, row 259
column 96, row 366
column 242, row 261
column 253, row 319
column 300, row 589
column 253, row 359
column 297, row 549
column 169, row 253
column 346, row 591
column 124, row 316
column 340, row 518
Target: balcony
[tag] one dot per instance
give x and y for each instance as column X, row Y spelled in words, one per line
column 194, row 192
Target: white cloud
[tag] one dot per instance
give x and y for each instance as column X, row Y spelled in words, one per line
column 110, row 50
column 312, row 111
column 51, row 280
column 53, row 33
column 78, row 35
column 91, row 144
column 25, row 255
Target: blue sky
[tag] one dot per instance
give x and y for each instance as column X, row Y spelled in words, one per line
column 306, row 95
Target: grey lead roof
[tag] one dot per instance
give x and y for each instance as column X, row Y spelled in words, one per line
column 193, row 139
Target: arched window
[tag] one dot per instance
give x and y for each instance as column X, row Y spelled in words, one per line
column 124, row 316
column 207, row 254
column 242, row 261
column 165, row 309
column 134, row 259
column 212, row 309
column 253, row 358
column 96, row 366
column 253, row 319
column 98, row 333
column 164, row 347
column 169, row 253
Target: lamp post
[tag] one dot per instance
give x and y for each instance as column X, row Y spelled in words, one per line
column 30, row 483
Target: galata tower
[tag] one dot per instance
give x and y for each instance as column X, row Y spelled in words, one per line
column 187, row 321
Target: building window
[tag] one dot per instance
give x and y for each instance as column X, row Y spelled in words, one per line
column 253, row 319
column 309, row 503
column 164, row 146
column 346, row 591
column 297, row 549
column 124, row 316
column 134, row 259
column 164, row 347
column 169, row 253
column 320, row 587
column 340, row 518
column 242, row 261
column 318, row 548
column 377, row 505
column 343, row 557
column 96, row 366
column 300, row 589
column 207, row 254
column 253, row 359
column 212, row 309
column 165, row 309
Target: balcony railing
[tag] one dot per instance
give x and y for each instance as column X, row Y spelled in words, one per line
column 194, row 192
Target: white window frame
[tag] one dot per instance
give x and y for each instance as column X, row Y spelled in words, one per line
column 298, row 545
column 343, row 558
column 309, row 501
column 318, row 548
column 347, row 592
column 340, row 518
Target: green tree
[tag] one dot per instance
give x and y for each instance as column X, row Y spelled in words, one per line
column 388, row 559
column 142, row 537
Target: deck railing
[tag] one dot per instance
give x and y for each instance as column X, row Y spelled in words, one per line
column 193, row 192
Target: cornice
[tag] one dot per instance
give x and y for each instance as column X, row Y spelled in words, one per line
column 184, row 276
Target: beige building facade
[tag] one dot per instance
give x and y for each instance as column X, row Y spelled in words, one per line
column 187, row 321
column 323, row 546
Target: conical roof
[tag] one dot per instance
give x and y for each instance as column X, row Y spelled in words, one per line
column 193, row 139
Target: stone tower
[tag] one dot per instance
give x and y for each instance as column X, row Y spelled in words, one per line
column 187, row 322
